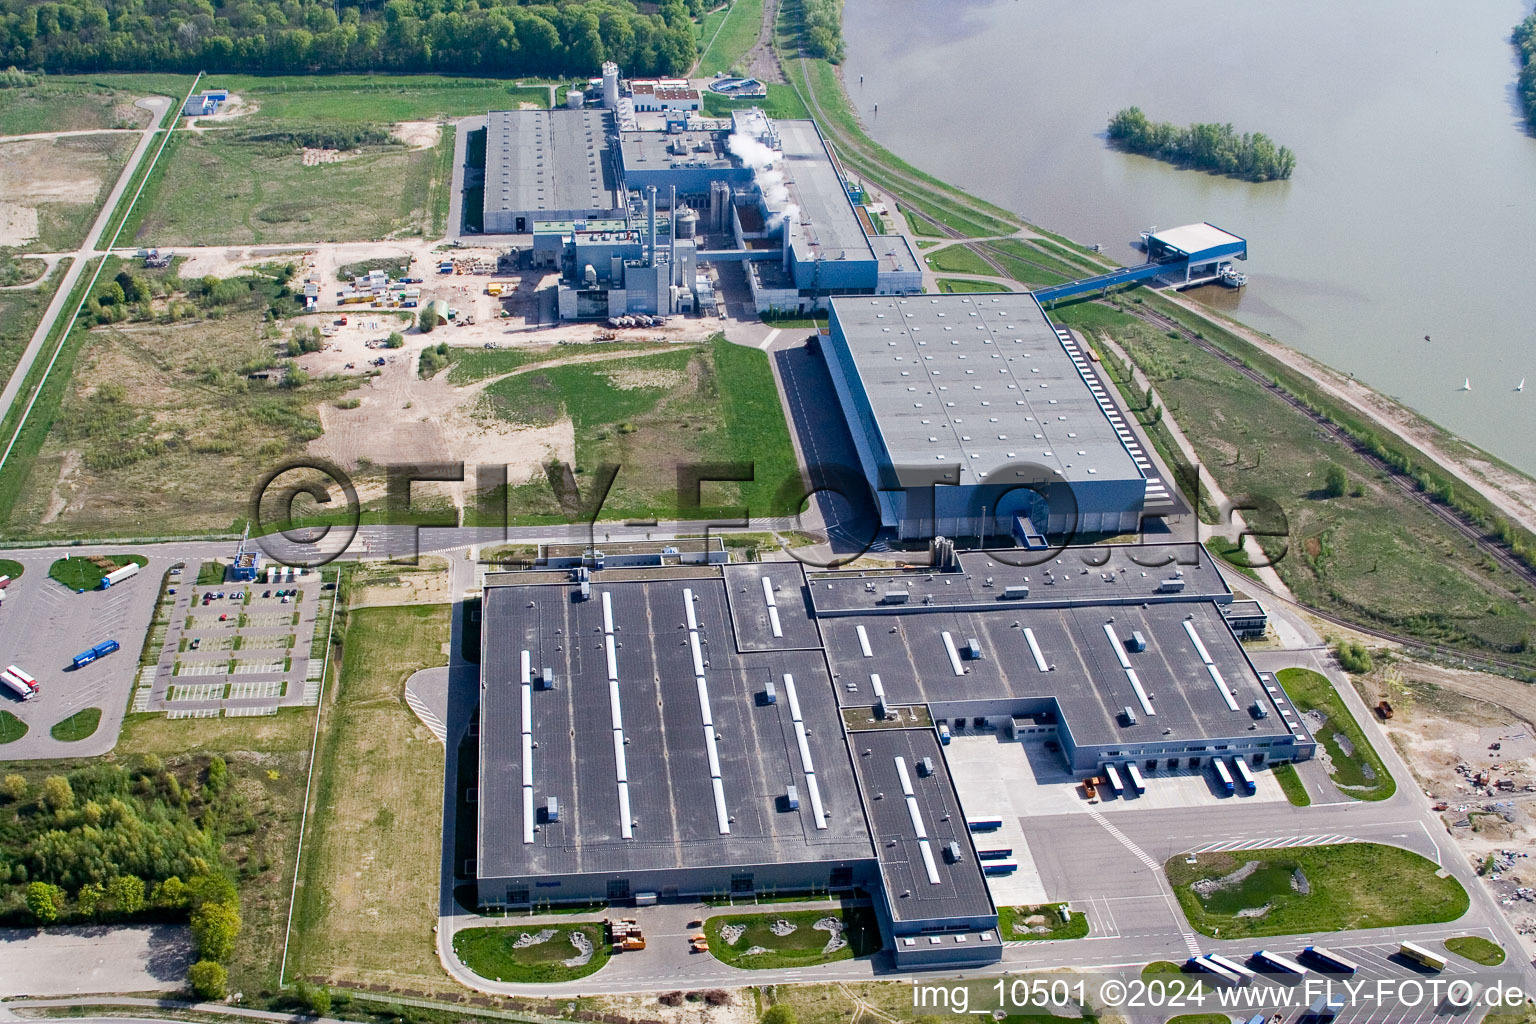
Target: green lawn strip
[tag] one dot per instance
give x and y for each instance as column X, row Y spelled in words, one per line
column 132, row 223
column 69, row 103
column 80, row 573
column 950, row 286
column 440, row 198
column 130, row 195
column 959, row 259
column 1310, row 691
column 755, row 429
column 1290, row 782
column 210, row 573
column 1351, row 885
column 732, row 37
column 1231, row 555
column 11, row 568
column 781, row 102
column 472, row 364
column 77, row 726
column 1477, row 949
column 489, row 952
column 11, row 727
column 1021, row 923
column 801, row 947
column 380, row 99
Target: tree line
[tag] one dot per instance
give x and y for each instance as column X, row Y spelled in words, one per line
column 1207, row 147
column 487, row 37
column 1525, row 43
column 822, row 24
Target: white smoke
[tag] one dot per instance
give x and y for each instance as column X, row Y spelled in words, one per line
column 790, row 211
column 751, row 152
column 764, row 160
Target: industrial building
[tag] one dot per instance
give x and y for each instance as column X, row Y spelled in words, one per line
column 630, row 200
column 700, row 730
column 975, row 416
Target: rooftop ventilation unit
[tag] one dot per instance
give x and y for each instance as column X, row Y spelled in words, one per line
column 792, row 797
column 1137, row 642
column 770, row 693
column 895, row 597
column 552, row 809
column 925, row 767
column 1015, row 593
column 973, row 649
column 1128, row 715
column 547, row 679
column 952, row 852
column 1170, row 586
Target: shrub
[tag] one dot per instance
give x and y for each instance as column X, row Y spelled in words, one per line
column 214, row 928
column 395, row 340
column 1354, row 657
column 45, row 901
column 13, row 787
column 779, row 1013
column 1335, row 482
column 209, row 980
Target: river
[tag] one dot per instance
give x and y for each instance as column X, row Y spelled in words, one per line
column 1412, row 210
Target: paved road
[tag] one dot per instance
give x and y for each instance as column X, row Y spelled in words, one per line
column 157, row 106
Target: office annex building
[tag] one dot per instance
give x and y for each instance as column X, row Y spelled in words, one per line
column 708, row 729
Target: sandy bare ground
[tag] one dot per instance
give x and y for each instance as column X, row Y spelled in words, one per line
column 1454, row 720
column 417, row 134
column 740, row 1010
column 1513, row 494
column 316, row 157
column 18, row 224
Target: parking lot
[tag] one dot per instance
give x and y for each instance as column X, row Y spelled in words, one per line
column 44, row 624
column 236, row 648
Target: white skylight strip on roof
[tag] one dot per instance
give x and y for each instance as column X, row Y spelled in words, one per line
column 806, row 764
column 607, row 613
column 792, row 697
column 708, row 719
column 698, row 653
column 1141, row 694
column 722, row 817
column 1119, row 648
column 527, row 815
column 1221, row 684
column 626, row 828
column 713, row 751
column 864, row 642
column 877, row 686
column 773, row 621
column 614, row 707
column 1205, row 656
column 932, row 868
column 954, row 655
column 916, row 815
column 768, row 592
column 1034, row 649
column 620, row 761
column 527, row 708
column 906, row 780
column 527, row 759
column 817, row 810
column 613, row 658
column 527, row 669
column 693, row 621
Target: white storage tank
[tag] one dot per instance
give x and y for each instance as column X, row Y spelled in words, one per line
column 575, row 98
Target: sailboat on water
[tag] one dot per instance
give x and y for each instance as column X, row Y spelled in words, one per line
column 1521, row 385
column 1466, row 385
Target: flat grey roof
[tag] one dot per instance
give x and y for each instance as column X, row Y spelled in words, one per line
column 1098, row 575
column 894, row 254
column 1082, row 670
column 556, row 160
column 671, row 794
column 826, row 227
column 979, row 382
column 655, row 151
column 956, row 889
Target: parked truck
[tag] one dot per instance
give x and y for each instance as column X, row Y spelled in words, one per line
column 20, row 683
column 117, row 576
column 1384, row 709
column 102, row 649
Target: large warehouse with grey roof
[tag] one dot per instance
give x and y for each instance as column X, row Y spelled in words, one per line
column 705, row 730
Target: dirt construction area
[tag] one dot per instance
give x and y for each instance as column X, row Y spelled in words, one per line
column 43, row 173
column 1469, row 741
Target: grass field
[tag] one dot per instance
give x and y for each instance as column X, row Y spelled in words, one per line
column 10, row 567
column 730, row 37
column 68, row 105
column 79, row 573
column 11, row 727
column 233, row 187
column 1041, row 922
column 148, row 414
column 368, row 894
column 959, row 259
column 490, row 952
column 1354, row 764
column 64, row 180
column 782, row 101
column 382, row 99
column 78, row 726
column 652, row 414
column 1477, row 949
column 801, row 947
column 952, row 286
column 1291, row 784
column 1353, row 885
column 1380, row 558
column 440, row 185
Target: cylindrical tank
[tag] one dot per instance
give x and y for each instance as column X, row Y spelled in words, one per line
column 687, row 223
column 610, row 84
column 575, row 98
